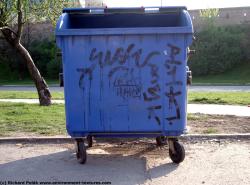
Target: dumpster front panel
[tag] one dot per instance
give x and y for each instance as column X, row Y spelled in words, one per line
column 125, row 83
column 125, row 70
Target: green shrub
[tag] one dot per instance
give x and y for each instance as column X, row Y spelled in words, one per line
column 218, row 49
column 44, row 55
column 43, row 52
column 11, row 65
column 53, row 68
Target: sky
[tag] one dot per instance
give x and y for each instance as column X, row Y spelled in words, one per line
column 191, row 4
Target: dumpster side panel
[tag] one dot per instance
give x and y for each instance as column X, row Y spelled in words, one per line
column 125, row 83
column 75, row 100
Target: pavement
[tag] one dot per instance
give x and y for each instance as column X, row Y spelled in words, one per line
column 222, row 88
column 209, row 88
column 191, row 108
column 235, row 110
column 211, row 162
column 31, row 101
column 53, row 88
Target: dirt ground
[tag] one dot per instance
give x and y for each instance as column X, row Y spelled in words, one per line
column 128, row 163
column 209, row 124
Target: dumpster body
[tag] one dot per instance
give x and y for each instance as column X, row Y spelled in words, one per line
column 125, row 71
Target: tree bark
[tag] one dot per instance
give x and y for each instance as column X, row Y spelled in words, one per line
column 40, row 83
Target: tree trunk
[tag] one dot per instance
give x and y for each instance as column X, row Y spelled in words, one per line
column 40, row 83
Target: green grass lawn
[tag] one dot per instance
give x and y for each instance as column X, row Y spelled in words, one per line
column 31, row 118
column 26, row 95
column 27, row 81
column 230, row 98
column 19, row 119
column 238, row 76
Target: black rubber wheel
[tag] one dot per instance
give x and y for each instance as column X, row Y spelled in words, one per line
column 179, row 155
column 81, row 153
column 161, row 140
column 90, row 140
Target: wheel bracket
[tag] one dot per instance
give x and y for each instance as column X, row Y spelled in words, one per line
column 171, row 144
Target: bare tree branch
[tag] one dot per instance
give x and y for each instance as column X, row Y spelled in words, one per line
column 19, row 20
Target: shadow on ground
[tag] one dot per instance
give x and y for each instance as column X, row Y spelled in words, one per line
column 62, row 166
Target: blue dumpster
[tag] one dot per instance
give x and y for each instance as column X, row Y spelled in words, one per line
column 125, row 73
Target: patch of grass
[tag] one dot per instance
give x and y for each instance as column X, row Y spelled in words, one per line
column 230, row 98
column 27, row 95
column 210, row 130
column 196, row 117
column 238, row 75
column 31, row 118
column 27, row 81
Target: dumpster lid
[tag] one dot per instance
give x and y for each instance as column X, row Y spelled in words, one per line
column 124, row 21
column 95, row 10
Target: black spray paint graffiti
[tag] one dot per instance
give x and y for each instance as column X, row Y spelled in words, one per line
column 152, row 113
column 171, row 66
column 127, row 86
column 172, row 101
column 120, row 57
column 153, row 92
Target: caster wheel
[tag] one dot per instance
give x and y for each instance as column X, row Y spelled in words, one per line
column 178, row 155
column 90, row 141
column 161, row 140
column 81, row 153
